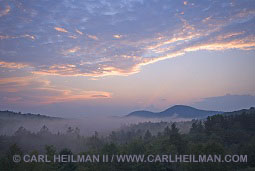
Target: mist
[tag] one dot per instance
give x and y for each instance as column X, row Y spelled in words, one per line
column 87, row 125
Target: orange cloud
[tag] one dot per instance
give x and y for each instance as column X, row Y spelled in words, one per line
column 206, row 19
column 162, row 53
column 72, row 50
column 117, row 71
column 72, row 70
column 4, row 37
column 79, row 32
column 229, row 35
column 164, row 48
column 173, row 40
column 235, row 44
column 14, row 90
column 92, row 37
column 73, row 95
column 21, row 81
column 142, row 52
column 156, row 59
column 12, row 65
column 117, row 36
column 15, row 84
column 61, row 29
column 5, row 11
column 65, row 70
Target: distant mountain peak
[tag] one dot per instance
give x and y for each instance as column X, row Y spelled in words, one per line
column 177, row 107
column 181, row 111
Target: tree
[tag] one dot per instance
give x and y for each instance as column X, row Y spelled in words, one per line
column 7, row 163
column 174, row 129
column 44, row 131
column 66, row 166
column 22, row 132
column 167, row 131
column 147, row 135
column 77, row 132
column 69, row 130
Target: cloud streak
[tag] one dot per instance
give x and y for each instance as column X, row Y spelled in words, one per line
column 61, row 29
column 12, row 65
column 92, row 37
column 31, row 90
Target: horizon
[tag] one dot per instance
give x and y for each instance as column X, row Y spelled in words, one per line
column 45, row 114
column 98, row 58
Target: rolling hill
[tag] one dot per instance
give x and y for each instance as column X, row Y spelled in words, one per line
column 180, row 111
column 13, row 115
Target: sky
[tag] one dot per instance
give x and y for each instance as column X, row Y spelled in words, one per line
column 107, row 57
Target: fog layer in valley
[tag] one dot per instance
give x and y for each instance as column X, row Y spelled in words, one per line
column 87, row 125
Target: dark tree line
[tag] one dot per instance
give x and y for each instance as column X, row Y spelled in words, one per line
column 219, row 134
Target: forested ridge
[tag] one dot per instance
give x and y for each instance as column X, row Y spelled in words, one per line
column 231, row 133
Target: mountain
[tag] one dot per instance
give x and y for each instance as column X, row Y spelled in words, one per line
column 13, row 115
column 11, row 121
column 240, row 112
column 180, row 111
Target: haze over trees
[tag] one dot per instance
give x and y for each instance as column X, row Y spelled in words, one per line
column 230, row 133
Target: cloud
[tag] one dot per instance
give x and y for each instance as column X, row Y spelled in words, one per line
column 100, row 96
column 12, row 65
column 72, row 70
column 33, row 90
column 67, row 70
column 74, row 95
column 236, row 44
column 61, row 29
column 79, row 32
column 5, row 11
column 92, row 37
column 117, row 36
column 71, row 50
column 2, row 37
column 73, row 37
column 181, row 27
